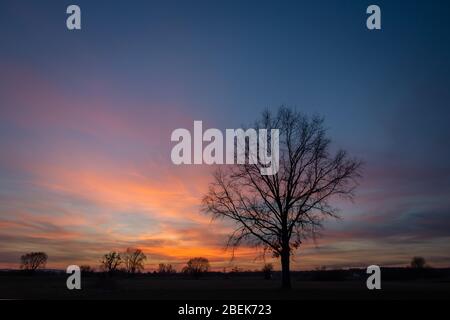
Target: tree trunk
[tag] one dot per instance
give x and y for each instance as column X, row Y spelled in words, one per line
column 285, row 270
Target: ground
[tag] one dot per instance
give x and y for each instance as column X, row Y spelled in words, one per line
column 53, row 286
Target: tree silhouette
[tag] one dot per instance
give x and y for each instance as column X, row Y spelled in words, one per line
column 279, row 211
column 111, row 261
column 196, row 266
column 418, row 263
column 134, row 260
column 267, row 271
column 86, row 269
column 33, row 261
column 166, row 269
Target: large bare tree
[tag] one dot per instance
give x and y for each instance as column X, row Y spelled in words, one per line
column 278, row 212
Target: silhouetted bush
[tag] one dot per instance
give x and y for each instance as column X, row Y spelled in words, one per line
column 418, row 262
column 86, row 269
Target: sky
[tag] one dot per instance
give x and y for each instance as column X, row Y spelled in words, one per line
column 86, row 118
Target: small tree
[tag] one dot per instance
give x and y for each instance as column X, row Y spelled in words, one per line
column 134, row 260
column 166, row 269
column 33, row 261
column 267, row 271
column 86, row 269
column 196, row 266
column 418, row 263
column 111, row 261
column 235, row 269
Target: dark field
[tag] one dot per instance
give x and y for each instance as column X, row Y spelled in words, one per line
column 307, row 285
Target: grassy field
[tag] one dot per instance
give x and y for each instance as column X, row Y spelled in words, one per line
column 53, row 286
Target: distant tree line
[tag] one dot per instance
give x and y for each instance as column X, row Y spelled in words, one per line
column 132, row 261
